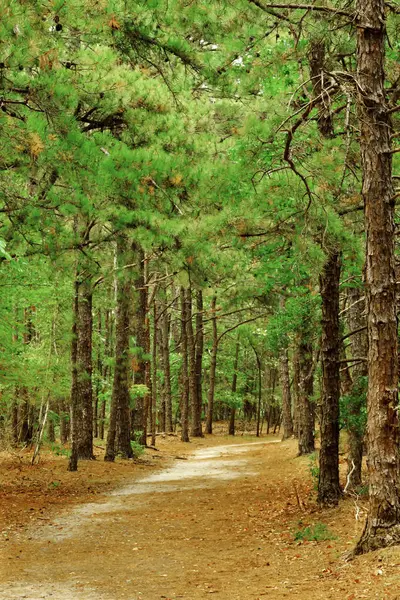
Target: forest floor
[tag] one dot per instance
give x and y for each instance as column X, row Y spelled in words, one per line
column 217, row 516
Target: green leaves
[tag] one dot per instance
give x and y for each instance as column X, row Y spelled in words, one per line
column 3, row 251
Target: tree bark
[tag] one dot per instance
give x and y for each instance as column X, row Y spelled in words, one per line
column 305, row 416
column 329, row 490
column 154, row 387
column 141, row 328
column 197, row 430
column 259, row 393
column 359, row 345
column 382, row 527
column 119, row 432
column 232, row 416
column 184, row 372
column 213, row 366
column 195, row 414
column 74, row 406
column 84, row 369
column 286, row 396
column 166, row 328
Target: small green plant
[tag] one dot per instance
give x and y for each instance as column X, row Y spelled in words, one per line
column 137, row 448
column 54, row 484
column 59, row 450
column 317, row 533
column 313, row 468
column 363, row 490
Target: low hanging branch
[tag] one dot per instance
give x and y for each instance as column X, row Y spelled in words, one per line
column 308, row 7
column 239, row 324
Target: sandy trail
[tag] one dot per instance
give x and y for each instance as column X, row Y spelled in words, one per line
column 220, row 522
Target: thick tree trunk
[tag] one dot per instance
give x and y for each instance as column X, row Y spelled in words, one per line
column 84, row 371
column 154, row 387
column 197, row 430
column 99, row 373
column 296, row 393
column 195, row 414
column 119, row 432
column 232, row 415
column 184, row 372
column 305, row 416
column 166, row 326
column 74, row 406
column 329, row 490
column 213, row 366
column 383, row 522
column 51, row 431
column 316, row 60
column 286, row 396
column 259, row 394
column 64, row 421
column 141, row 328
column 359, row 346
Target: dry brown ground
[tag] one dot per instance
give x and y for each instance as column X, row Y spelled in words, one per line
column 233, row 538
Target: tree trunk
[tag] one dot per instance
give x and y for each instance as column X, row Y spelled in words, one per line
column 74, row 406
column 259, row 394
column 359, row 346
column 195, row 414
column 141, row 327
column 196, row 426
column 234, row 388
column 99, row 373
column 213, row 366
column 306, row 429
column 184, row 373
column 119, row 432
column 383, row 522
column 64, row 421
column 84, row 370
column 329, row 490
column 166, row 327
column 296, row 393
column 286, row 396
column 154, row 382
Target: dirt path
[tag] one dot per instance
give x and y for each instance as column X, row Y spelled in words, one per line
column 221, row 522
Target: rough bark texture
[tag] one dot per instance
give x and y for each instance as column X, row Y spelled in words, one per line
column 73, row 458
column 64, row 421
column 316, row 60
column 166, row 327
column 296, row 393
column 383, row 523
column 141, row 330
column 119, row 432
column 305, row 416
column 84, row 371
column 232, row 415
column 329, row 490
column 213, row 366
column 359, row 348
column 286, row 396
column 154, row 386
column 184, row 372
column 196, row 427
column 259, row 394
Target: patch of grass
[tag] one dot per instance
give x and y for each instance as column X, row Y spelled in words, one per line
column 363, row 490
column 314, row 533
column 313, row 467
column 137, row 448
column 54, row 484
column 59, row 450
